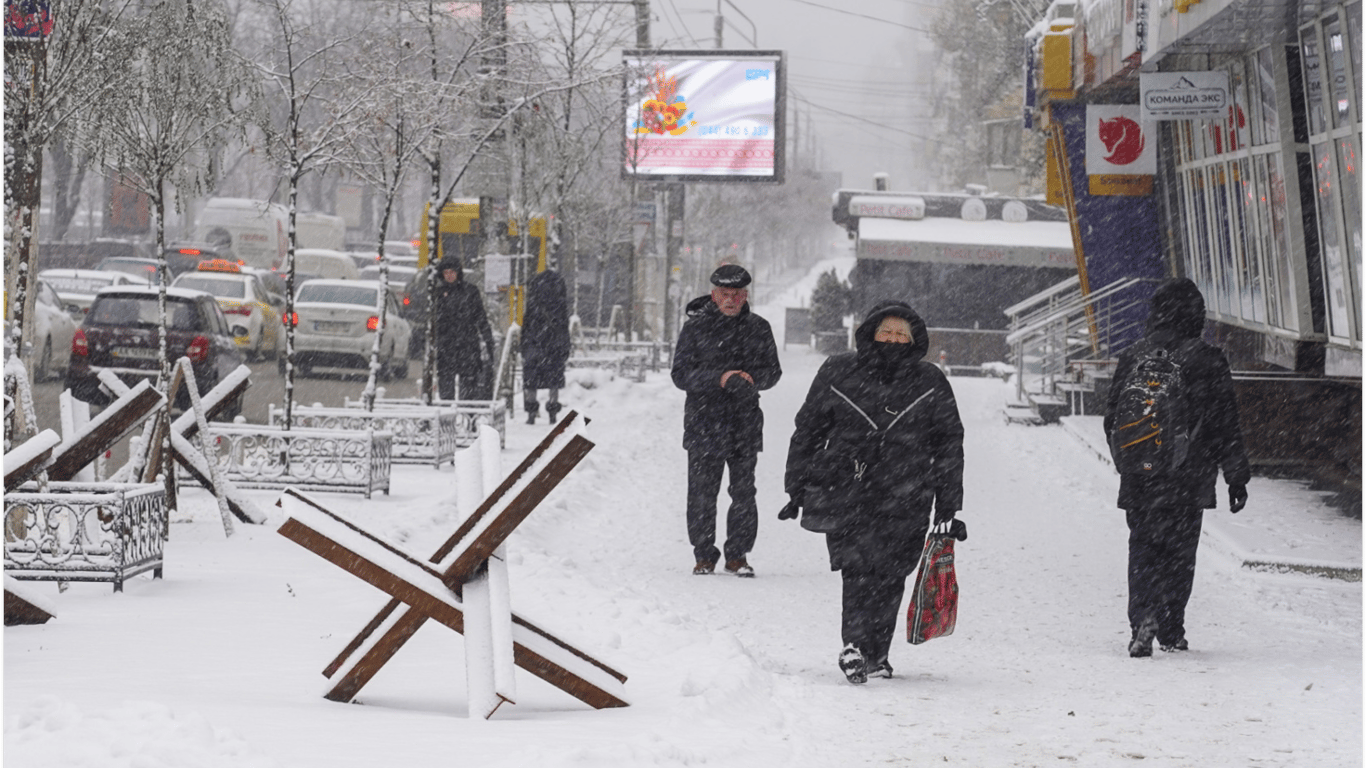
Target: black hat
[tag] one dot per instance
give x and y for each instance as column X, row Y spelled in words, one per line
column 730, row 276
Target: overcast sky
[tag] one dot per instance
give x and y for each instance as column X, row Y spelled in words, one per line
column 849, row 58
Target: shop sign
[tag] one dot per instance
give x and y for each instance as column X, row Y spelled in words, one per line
column 1183, row 95
column 1121, row 150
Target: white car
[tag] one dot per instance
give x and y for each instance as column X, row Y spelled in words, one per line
column 335, row 323
column 51, row 335
column 244, row 301
column 77, row 287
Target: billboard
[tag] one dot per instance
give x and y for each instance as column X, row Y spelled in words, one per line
column 704, row 115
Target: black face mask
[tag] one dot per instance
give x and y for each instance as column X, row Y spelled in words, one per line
column 891, row 355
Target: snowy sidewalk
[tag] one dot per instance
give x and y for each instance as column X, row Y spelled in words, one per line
column 1285, row 527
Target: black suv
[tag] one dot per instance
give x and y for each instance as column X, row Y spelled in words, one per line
column 121, row 333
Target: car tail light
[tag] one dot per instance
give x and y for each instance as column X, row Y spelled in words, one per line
column 79, row 346
column 372, row 323
column 407, row 300
column 198, row 350
column 290, row 318
column 238, row 309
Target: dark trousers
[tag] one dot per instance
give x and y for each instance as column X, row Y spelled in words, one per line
column 872, row 605
column 1162, row 544
column 472, row 379
column 742, row 521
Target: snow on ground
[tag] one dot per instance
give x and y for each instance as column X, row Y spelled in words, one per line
column 219, row 663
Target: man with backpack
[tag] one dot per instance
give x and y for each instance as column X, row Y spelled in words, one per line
column 1172, row 424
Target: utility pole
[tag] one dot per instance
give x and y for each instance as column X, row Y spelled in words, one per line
column 643, row 43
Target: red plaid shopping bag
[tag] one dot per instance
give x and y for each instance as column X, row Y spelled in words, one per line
column 934, row 600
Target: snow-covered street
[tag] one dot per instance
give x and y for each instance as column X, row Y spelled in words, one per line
column 218, row 664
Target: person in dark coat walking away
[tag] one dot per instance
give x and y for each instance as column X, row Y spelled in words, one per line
column 724, row 357
column 545, row 342
column 464, row 340
column 1164, row 509
column 878, row 446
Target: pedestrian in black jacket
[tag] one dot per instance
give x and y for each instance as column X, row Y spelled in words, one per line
column 545, row 342
column 464, row 340
column 725, row 355
column 1164, row 511
column 878, row 444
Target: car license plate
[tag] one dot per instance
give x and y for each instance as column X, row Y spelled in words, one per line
column 136, row 353
column 325, row 326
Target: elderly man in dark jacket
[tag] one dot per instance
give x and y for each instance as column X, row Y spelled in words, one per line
column 545, row 342
column 725, row 355
column 462, row 326
column 1164, row 509
column 878, row 444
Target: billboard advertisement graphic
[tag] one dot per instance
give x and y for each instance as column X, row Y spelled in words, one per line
column 704, row 115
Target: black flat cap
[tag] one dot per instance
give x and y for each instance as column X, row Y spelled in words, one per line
column 730, row 276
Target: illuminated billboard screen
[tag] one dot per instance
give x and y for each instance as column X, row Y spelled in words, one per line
column 704, row 115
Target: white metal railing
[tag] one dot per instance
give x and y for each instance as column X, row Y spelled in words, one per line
column 1055, row 328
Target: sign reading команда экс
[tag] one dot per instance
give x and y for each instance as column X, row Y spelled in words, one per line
column 1183, row 95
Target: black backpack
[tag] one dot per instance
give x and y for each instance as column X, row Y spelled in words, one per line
column 1154, row 419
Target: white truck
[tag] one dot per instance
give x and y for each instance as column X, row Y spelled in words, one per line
column 253, row 231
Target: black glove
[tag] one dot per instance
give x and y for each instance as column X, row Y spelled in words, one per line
column 790, row 510
column 942, row 516
column 1237, row 498
column 739, row 386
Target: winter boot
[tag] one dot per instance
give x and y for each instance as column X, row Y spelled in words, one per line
column 531, row 409
column 1141, row 646
column 553, row 411
column 703, row 568
column 1179, row 645
column 739, row 567
column 880, row 669
column 853, row 666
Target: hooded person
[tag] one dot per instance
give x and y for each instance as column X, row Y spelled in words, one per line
column 545, row 342
column 1164, row 510
column 877, row 451
column 464, row 339
column 724, row 357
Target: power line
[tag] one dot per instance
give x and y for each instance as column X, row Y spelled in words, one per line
column 862, row 16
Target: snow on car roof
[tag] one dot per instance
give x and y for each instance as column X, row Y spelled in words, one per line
column 151, row 290
column 94, row 274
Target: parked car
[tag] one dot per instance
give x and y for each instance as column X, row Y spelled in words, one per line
column 244, row 301
column 187, row 256
column 141, row 270
column 77, row 287
column 335, row 323
column 413, row 306
column 121, row 333
column 312, row 263
column 399, row 275
column 52, row 334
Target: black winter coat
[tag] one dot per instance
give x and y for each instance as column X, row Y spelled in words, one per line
column 877, row 445
column 461, row 322
column 1177, row 316
column 715, row 420
column 545, row 332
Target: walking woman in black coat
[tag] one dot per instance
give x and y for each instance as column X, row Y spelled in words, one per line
column 878, row 445
column 464, row 340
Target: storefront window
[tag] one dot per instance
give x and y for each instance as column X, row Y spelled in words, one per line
column 1265, row 239
column 1354, row 37
column 1245, row 239
column 1349, row 169
column 1200, row 238
column 1313, row 82
column 1335, row 276
column 1268, row 125
column 1339, row 96
column 1280, row 231
column 1236, row 124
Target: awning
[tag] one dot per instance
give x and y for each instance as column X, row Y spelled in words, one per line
column 954, row 241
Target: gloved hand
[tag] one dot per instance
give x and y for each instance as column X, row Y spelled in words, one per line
column 942, row 516
column 1237, row 498
column 791, row 509
column 739, row 386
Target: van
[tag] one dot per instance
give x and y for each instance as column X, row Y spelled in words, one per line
column 323, row 262
column 252, row 232
column 319, row 230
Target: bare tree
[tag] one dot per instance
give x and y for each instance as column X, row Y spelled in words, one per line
column 48, row 77
column 305, row 90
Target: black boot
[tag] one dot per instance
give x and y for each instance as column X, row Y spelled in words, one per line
column 553, row 411
column 531, row 409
